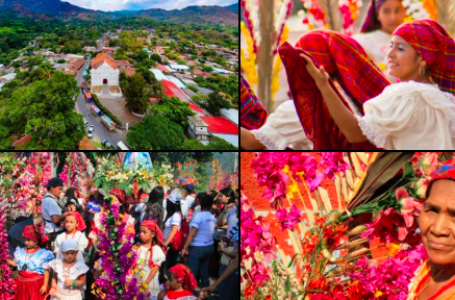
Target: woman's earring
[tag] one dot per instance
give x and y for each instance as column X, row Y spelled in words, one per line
column 420, row 71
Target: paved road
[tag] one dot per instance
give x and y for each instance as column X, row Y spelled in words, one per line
column 101, row 132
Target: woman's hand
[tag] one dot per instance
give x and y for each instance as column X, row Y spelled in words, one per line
column 320, row 76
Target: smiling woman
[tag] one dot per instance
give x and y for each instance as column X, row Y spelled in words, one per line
column 436, row 278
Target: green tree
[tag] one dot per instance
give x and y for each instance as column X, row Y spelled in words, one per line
column 155, row 133
column 192, row 144
column 45, row 110
column 217, row 143
column 173, row 109
column 136, row 94
column 215, row 103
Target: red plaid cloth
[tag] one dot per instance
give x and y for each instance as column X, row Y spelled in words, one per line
column 252, row 114
column 344, row 59
column 436, row 47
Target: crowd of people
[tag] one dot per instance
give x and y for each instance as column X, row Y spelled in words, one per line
column 182, row 240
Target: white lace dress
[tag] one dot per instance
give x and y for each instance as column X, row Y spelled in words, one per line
column 73, row 273
column 283, row 129
column 410, row 116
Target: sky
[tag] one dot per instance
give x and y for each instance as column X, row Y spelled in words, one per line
column 112, row 5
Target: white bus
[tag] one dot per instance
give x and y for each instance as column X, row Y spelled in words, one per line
column 122, row 146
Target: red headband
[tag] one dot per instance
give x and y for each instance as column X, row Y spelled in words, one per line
column 185, row 276
column 158, row 233
column 31, row 233
column 80, row 221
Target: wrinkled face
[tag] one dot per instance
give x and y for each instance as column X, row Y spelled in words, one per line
column 70, row 256
column 145, row 234
column 403, row 61
column 437, row 223
column 70, row 223
column 30, row 244
column 391, row 15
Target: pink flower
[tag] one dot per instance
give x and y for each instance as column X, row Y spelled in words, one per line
column 288, row 220
column 333, row 163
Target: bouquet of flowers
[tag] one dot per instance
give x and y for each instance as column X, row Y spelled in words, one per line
column 110, row 175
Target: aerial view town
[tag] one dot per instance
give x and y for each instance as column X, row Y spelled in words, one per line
column 107, row 75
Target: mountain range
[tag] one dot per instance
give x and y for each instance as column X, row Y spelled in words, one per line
column 56, row 9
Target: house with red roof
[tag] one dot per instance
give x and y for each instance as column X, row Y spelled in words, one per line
column 172, row 90
column 222, row 128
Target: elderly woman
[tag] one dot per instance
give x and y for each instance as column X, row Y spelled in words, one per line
column 436, row 278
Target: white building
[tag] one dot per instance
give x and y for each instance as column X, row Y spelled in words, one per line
column 198, row 129
column 105, row 76
column 179, row 68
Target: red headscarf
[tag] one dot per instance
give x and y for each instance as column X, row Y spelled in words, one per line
column 185, row 276
column 32, row 233
column 447, row 171
column 121, row 196
column 344, row 59
column 80, row 221
column 158, row 233
column 436, row 47
column 371, row 22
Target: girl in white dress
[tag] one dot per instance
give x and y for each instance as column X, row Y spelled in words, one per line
column 75, row 226
column 150, row 255
column 69, row 279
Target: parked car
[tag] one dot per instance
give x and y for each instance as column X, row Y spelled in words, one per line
column 90, row 131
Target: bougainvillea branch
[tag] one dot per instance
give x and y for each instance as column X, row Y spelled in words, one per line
column 116, row 256
column 7, row 284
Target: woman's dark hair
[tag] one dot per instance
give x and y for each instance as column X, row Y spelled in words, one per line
column 229, row 193
column 156, row 195
column 206, row 201
column 153, row 209
column 70, row 194
column 171, row 209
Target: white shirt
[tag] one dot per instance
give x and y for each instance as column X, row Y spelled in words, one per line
column 205, row 222
column 410, row 116
column 283, row 129
column 232, row 222
column 49, row 208
column 176, row 219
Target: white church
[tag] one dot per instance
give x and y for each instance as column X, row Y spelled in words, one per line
column 105, row 76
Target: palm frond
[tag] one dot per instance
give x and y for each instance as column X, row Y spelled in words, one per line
column 378, row 177
column 332, row 13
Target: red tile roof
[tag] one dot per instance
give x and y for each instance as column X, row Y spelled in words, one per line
column 172, row 90
column 163, row 68
column 101, row 58
column 195, row 108
column 220, row 125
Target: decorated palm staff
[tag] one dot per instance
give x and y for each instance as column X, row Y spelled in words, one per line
column 32, row 263
column 402, row 116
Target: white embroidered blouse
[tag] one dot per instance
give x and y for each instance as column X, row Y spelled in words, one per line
column 410, row 116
